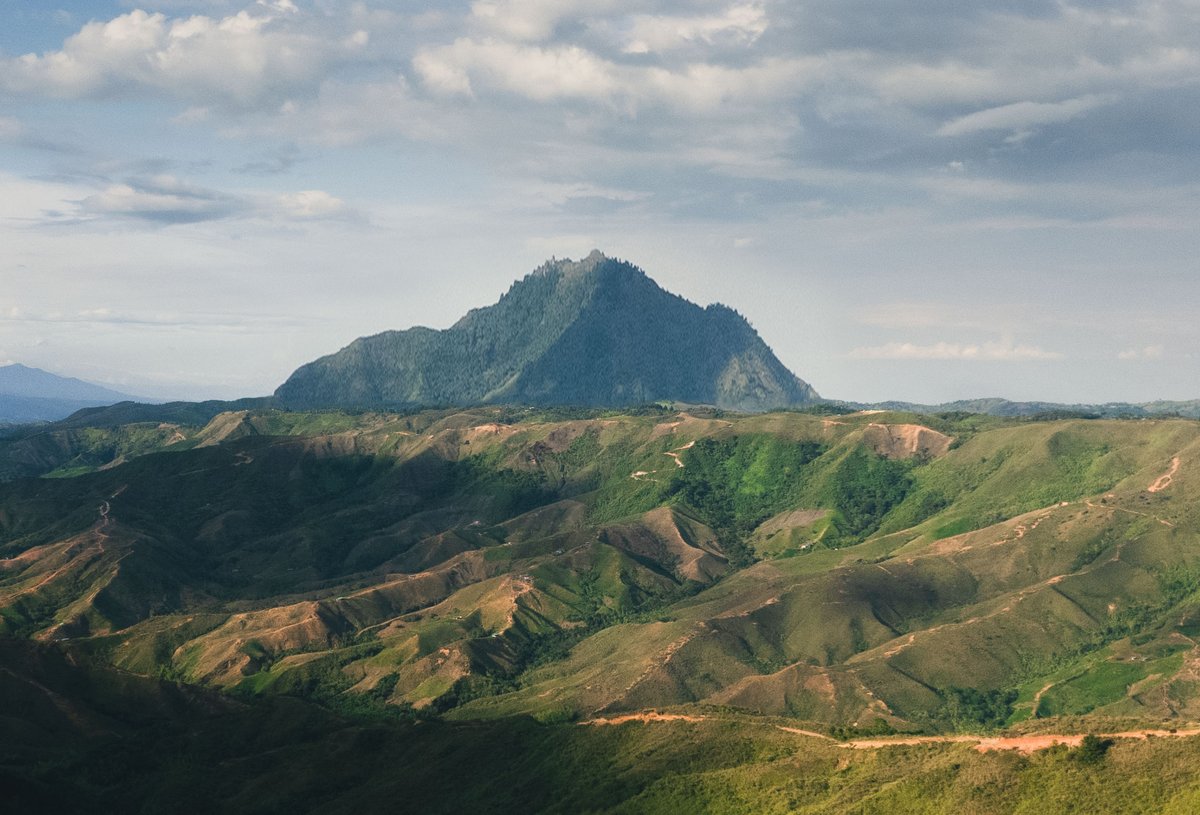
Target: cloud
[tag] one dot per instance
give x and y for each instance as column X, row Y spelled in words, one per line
column 162, row 199
column 739, row 25
column 1148, row 352
column 239, row 59
column 987, row 351
column 570, row 72
column 541, row 74
column 533, row 20
column 311, row 204
column 561, row 193
column 1020, row 116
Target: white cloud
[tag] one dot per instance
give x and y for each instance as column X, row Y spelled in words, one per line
column 158, row 200
column 238, row 59
column 541, row 74
column 1148, row 352
column 988, row 351
column 570, row 72
column 1019, row 116
column 740, row 25
column 163, row 199
column 309, row 204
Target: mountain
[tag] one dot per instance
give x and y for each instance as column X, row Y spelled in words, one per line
column 33, row 395
column 595, row 332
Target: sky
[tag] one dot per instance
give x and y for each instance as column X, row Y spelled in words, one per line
column 924, row 200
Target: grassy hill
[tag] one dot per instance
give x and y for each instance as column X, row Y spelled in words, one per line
column 96, row 740
column 854, row 573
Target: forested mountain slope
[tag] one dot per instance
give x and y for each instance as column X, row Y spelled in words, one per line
column 593, row 332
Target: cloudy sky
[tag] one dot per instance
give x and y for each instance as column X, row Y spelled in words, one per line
column 923, row 200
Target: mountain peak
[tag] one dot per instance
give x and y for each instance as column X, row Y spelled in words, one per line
column 597, row 331
column 596, row 263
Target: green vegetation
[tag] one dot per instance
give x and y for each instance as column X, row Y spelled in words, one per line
column 163, row 745
column 736, row 484
column 865, row 489
column 973, row 710
column 1092, row 749
column 509, row 572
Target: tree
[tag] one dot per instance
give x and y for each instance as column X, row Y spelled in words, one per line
column 1092, row 749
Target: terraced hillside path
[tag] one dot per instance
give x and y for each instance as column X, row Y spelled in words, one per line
column 1023, row 744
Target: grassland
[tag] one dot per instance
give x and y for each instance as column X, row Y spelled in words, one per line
column 505, row 571
column 130, row 744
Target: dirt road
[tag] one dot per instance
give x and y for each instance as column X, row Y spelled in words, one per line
column 1022, row 744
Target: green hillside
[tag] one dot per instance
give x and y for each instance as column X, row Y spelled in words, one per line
column 95, row 740
column 595, row 332
column 847, row 574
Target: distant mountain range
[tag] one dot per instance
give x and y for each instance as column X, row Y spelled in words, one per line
column 597, row 332
column 593, row 333
column 33, row 395
column 996, row 406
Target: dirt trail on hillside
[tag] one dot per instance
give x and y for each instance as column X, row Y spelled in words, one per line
column 646, row 717
column 519, row 586
column 1163, row 481
column 72, row 561
column 1017, row 597
column 674, row 454
column 799, row 731
column 1024, row 744
column 1128, row 512
column 1037, row 697
column 105, row 519
column 668, row 654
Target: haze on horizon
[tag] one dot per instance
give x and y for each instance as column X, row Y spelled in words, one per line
column 924, row 201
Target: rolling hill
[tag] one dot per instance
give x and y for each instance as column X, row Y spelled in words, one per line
column 593, row 332
column 481, row 572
